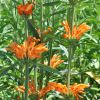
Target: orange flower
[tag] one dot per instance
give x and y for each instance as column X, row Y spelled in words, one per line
column 78, row 89
column 28, row 49
column 55, row 61
column 18, row 50
column 53, row 86
column 25, row 9
column 32, row 89
column 77, row 32
column 75, row 89
column 59, row 87
column 45, row 90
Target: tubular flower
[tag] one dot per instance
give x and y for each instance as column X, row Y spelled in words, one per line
column 45, row 90
column 78, row 89
column 18, row 50
column 29, row 48
column 77, row 32
column 53, row 86
column 25, row 9
column 75, row 89
column 58, row 87
column 55, row 61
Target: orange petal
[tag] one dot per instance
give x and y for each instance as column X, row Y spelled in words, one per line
column 28, row 9
column 81, row 30
column 66, row 26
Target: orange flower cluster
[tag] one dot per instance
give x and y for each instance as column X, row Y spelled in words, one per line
column 28, row 49
column 75, row 89
column 55, row 61
column 53, row 86
column 25, row 9
column 77, row 32
column 45, row 90
column 58, row 87
column 78, row 89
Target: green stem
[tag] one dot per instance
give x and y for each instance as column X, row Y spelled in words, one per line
column 69, row 69
column 26, row 60
column 72, row 17
column 41, row 15
column 70, row 49
column 50, row 54
column 53, row 17
column 26, row 26
column 26, row 80
column 42, row 60
column 70, row 14
column 35, row 75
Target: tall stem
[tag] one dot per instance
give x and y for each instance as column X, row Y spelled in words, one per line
column 26, row 60
column 70, row 48
column 53, row 17
column 41, row 14
column 72, row 17
column 50, row 53
column 26, row 26
column 69, row 66
column 35, row 96
column 26, row 80
column 42, row 60
column 35, row 75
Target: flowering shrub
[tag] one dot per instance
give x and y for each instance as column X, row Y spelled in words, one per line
column 47, row 50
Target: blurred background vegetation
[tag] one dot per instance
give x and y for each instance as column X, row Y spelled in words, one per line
column 50, row 13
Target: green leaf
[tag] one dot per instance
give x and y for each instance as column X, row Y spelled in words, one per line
column 52, row 3
column 15, row 1
column 32, row 29
column 64, row 49
column 89, row 36
column 49, row 69
column 58, row 12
